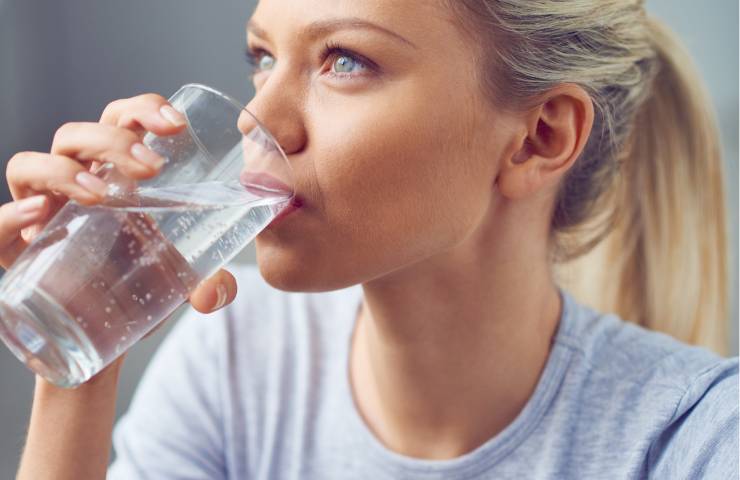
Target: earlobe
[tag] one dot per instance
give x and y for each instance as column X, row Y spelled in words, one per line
column 515, row 175
column 518, row 179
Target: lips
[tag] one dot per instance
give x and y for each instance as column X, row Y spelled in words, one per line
column 263, row 184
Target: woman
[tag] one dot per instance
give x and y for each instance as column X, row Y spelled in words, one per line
column 457, row 162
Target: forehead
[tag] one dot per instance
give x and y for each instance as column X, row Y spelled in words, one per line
column 379, row 9
column 421, row 21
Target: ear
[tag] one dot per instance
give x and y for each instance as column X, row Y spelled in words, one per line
column 552, row 137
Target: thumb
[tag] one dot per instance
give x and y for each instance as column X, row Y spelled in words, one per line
column 214, row 292
column 210, row 295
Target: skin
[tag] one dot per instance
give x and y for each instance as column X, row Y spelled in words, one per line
column 412, row 184
column 415, row 186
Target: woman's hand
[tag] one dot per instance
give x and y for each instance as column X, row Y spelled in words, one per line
column 41, row 183
column 70, row 430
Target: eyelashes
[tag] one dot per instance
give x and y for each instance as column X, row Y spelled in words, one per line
column 249, row 57
column 334, row 50
column 253, row 56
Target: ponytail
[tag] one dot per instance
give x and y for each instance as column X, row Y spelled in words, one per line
column 664, row 264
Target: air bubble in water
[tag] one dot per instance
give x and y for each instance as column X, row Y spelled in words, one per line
column 148, row 296
column 107, row 310
column 106, row 324
column 148, row 317
column 134, row 297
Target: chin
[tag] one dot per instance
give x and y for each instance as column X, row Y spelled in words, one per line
column 289, row 270
column 296, row 271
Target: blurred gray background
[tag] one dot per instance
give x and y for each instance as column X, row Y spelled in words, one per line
column 64, row 61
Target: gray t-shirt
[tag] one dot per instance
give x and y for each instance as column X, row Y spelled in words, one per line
column 260, row 390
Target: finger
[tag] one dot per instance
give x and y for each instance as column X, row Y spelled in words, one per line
column 14, row 217
column 106, row 143
column 214, row 292
column 150, row 112
column 30, row 173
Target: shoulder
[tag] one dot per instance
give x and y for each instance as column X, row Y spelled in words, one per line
column 701, row 438
column 638, row 382
column 611, row 348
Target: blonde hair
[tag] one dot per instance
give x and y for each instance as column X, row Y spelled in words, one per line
column 639, row 224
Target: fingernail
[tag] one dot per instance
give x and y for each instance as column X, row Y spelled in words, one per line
column 92, row 183
column 172, row 115
column 222, row 294
column 146, row 156
column 31, row 204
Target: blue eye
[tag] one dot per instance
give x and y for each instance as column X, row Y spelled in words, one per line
column 347, row 63
column 259, row 59
column 344, row 62
column 266, row 62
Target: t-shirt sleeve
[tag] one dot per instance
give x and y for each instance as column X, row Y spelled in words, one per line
column 173, row 428
column 701, row 441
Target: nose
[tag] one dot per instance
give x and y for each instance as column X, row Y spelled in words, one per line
column 279, row 112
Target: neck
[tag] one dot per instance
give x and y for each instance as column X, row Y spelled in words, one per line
column 447, row 352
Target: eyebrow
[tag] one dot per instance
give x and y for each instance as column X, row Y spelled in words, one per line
column 324, row 27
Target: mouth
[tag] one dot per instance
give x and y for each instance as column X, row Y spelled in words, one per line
column 263, row 184
column 295, row 204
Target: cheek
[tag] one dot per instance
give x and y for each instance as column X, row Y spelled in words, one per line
column 401, row 175
column 396, row 178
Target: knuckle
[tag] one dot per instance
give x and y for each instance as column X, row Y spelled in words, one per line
column 16, row 160
column 64, row 130
column 115, row 104
column 111, row 108
column 18, row 157
column 153, row 100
